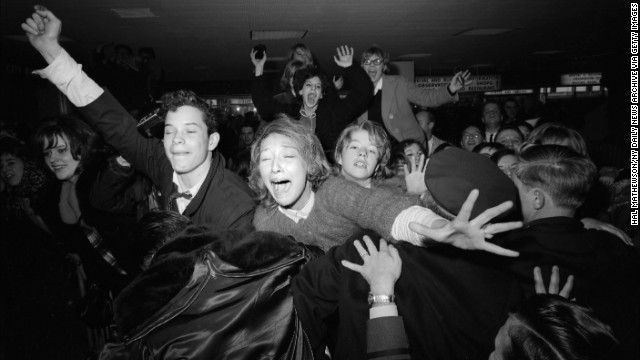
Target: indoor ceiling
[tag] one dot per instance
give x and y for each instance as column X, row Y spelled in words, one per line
column 209, row 40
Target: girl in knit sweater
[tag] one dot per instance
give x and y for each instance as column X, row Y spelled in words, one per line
column 299, row 197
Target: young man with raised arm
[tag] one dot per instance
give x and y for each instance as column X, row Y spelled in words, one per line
column 185, row 166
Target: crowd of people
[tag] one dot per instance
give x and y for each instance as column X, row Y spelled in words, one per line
column 328, row 227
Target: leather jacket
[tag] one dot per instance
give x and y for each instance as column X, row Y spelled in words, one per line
column 222, row 312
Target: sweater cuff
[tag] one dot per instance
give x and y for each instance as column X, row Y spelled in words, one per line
column 68, row 77
column 400, row 229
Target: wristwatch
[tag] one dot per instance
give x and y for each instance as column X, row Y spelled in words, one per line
column 380, row 299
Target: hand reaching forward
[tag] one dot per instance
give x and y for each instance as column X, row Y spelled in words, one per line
column 459, row 81
column 43, row 30
column 470, row 235
column 414, row 175
column 381, row 268
column 345, row 56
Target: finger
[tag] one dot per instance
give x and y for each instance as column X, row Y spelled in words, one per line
column 566, row 289
column 414, row 166
column 42, row 11
column 495, row 249
column 467, row 206
column 371, row 248
column 360, row 249
column 38, row 20
column 490, row 213
column 393, row 251
column 28, row 29
column 423, row 163
column 352, row 266
column 32, row 24
column 503, row 227
column 406, row 170
column 539, row 281
column 383, row 246
column 422, row 230
column 554, row 282
column 350, row 50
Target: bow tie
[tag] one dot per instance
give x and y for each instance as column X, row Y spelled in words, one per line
column 187, row 195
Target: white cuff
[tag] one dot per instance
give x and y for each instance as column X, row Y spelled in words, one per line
column 67, row 75
column 383, row 311
column 400, row 229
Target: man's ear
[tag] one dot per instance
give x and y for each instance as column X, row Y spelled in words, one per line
column 539, row 198
column 214, row 140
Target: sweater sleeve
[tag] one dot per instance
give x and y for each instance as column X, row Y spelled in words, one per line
column 373, row 209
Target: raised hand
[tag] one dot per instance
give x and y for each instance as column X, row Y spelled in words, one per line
column 258, row 63
column 414, row 175
column 43, row 31
column 471, row 235
column 459, row 81
column 381, row 268
column 345, row 56
column 554, row 283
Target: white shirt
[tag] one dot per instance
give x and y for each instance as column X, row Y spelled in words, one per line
column 184, row 202
column 378, row 87
column 303, row 213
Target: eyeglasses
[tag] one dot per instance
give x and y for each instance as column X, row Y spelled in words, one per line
column 472, row 136
column 375, row 62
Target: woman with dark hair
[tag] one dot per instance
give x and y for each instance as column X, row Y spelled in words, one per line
column 288, row 95
column 25, row 185
column 321, row 110
column 98, row 202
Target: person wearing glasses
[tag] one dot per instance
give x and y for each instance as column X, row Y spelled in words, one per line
column 393, row 96
column 471, row 137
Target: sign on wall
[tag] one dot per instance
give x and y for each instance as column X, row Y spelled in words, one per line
column 479, row 82
column 581, row 79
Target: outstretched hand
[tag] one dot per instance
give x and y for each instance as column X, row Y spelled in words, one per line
column 459, row 81
column 414, row 175
column 345, row 56
column 43, row 31
column 381, row 268
column 471, row 234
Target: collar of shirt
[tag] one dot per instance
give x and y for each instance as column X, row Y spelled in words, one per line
column 378, row 87
column 303, row 213
column 182, row 202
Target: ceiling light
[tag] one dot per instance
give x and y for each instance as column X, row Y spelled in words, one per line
column 483, row 32
column 277, row 34
column 133, row 13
